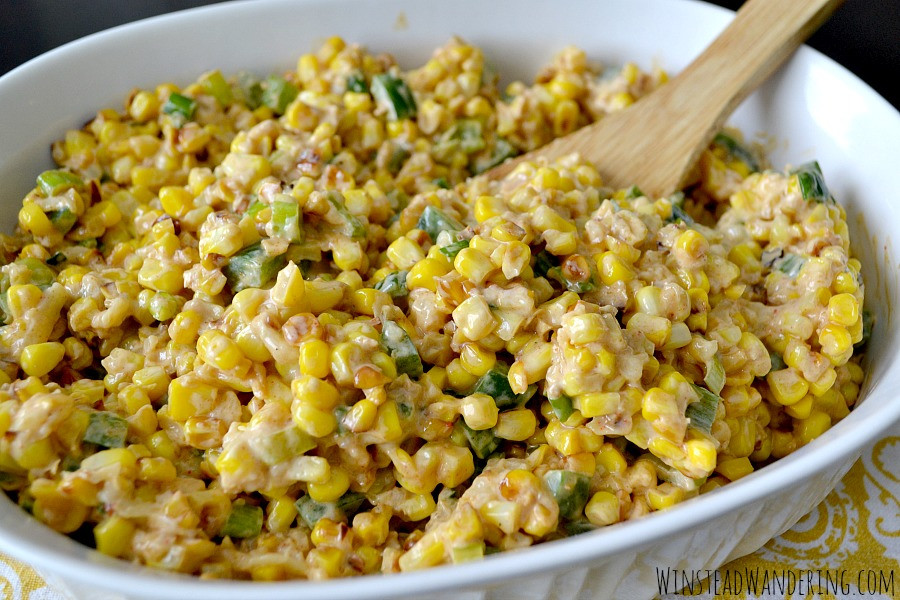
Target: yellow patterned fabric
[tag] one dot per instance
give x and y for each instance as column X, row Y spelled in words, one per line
column 849, row 545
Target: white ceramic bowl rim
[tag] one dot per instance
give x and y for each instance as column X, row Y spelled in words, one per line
column 845, row 438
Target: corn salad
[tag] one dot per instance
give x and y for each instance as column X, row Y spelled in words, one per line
column 272, row 328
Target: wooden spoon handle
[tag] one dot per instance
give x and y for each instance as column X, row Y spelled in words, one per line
column 657, row 141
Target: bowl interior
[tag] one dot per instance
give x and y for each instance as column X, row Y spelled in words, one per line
column 812, row 109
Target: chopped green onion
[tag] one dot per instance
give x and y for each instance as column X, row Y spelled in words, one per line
column 57, row 258
column 579, row 526
column 55, row 181
column 286, row 218
column 776, row 360
column 451, row 250
column 401, row 349
column 502, row 150
column 737, row 150
column 812, row 182
column 353, row 227
column 41, row 275
column 63, row 219
column 715, row 374
column 469, row 552
column 350, row 503
column 465, row 134
column 356, row 82
column 571, row 491
column 674, row 476
column 790, row 264
column 252, row 267
column 562, row 407
column 283, row 445
column 868, row 322
column 495, row 383
column 543, row 262
column 441, row 182
column 179, row 105
column 434, row 220
column 398, row 157
column 255, row 207
column 482, row 442
column 311, row 511
column 678, row 212
column 244, row 521
column 703, row 412
column 106, row 429
column 278, row 93
column 214, row 84
column 394, row 95
column 633, row 192
column 393, row 284
column 249, row 90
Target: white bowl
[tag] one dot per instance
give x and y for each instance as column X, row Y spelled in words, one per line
column 813, row 107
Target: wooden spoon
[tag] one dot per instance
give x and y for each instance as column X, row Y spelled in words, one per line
column 655, row 142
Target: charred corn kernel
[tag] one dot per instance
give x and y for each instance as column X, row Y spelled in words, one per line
column 332, row 489
column 34, row 220
column 787, row 386
column 602, row 508
column 314, row 358
column 476, row 360
column 404, row 253
column 814, row 425
column 424, row 273
column 39, row 359
column 218, row 349
column 517, row 425
column 479, row 411
column 734, row 468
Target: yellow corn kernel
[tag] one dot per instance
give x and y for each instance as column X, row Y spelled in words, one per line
column 332, row 489
column 734, row 468
column 216, row 348
column 487, row 207
column 473, row 264
column 154, row 381
column 602, row 508
column 315, row 392
column 610, row 459
column 315, row 358
column 476, row 360
column 787, row 386
column 290, row 288
column 479, row 411
column 545, row 218
column 404, row 253
column 474, row 318
column 39, row 359
column 314, row 421
column 517, row 425
column 664, row 496
column 836, row 341
column 37, row 455
column 613, row 269
column 458, row 377
column 665, row 448
column 424, row 273
column 802, row 408
column 387, row 422
column 692, row 243
column 701, row 455
column 595, row 404
column 162, row 277
column 361, row 417
column 655, row 329
column 189, row 398
column 812, row 426
column 156, row 469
